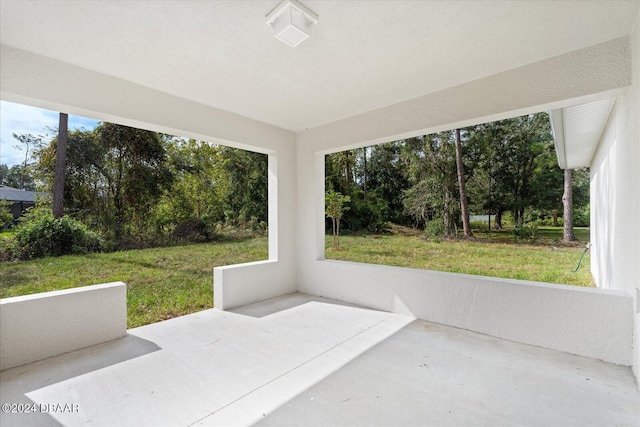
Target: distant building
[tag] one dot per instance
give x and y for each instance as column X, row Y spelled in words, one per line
column 20, row 200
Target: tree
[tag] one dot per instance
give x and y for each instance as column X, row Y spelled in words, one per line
column 200, row 182
column 334, row 208
column 14, row 175
column 567, row 201
column 580, row 192
column 431, row 162
column 84, row 181
column 512, row 152
column 135, row 173
column 547, row 184
column 464, row 206
column 387, row 178
column 26, row 141
column 61, row 158
column 246, row 186
column 363, row 175
column 5, row 214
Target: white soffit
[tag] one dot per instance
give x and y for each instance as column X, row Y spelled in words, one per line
column 362, row 56
column 577, row 131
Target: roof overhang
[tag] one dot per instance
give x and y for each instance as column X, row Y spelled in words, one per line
column 577, row 131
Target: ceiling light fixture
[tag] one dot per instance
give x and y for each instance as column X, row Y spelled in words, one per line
column 291, row 22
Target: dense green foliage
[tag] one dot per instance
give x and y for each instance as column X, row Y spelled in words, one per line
column 138, row 188
column 510, row 168
column 6, row 217
column 17, row 175
column 40, row 235
column 135, row 188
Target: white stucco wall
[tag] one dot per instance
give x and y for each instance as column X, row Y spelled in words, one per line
column 43, row 82
column 561, row 317
column 615, row 198
column 241, row 284
column 38, row 326
column 548, row 316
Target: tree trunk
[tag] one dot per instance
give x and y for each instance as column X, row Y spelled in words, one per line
column 554, row 215
column 364, row 182
column 118, row 199
column 498, row 220
column 567, row 201
column 447, row 217
column 61, row 159
column 23, row 170
column 464, row 206
column 521, row 214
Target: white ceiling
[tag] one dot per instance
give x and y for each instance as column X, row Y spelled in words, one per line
column 362, row 55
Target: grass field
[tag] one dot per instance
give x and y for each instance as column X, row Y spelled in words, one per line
column 491, row 254
column 161, row 283
column 168, row 282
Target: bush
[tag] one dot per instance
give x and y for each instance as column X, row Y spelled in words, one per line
column 548, row 222
column 9, row 249
column 582, row 216
column 365, row 214
column 480, row 225
column 257, row 227
column 39, row 234
column 526, row 232
column 195, row 230
column 6, row 217
column 434, row 228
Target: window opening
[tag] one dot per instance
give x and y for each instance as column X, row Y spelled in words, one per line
column 155, row 211
column 401, row 203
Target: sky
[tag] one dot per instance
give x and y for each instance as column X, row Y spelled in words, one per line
column 21, row 119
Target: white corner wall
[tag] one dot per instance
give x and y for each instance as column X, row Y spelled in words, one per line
column 539, row 314
column 243, row 284
column 559, row 317
column 615, row 199
column 38, row 326
column 47, row 83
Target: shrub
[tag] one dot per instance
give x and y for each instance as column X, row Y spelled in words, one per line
column 9, row 249
column 581, row 216
column 6, row 217
column 480, row 225
column 194, row 230
column 526, row 232
column 257, row 227
column 40, row 234
column 434, row 228
column 367, row 214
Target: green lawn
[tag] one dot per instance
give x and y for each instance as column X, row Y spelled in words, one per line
column 492, row 254
column 161, row 283
column 168, row 282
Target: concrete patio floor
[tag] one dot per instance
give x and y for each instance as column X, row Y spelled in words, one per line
column 300, row 360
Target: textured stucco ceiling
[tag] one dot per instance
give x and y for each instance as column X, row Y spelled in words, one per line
column 361, row 56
